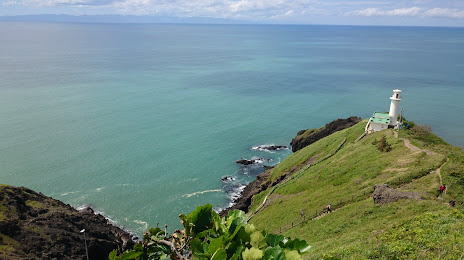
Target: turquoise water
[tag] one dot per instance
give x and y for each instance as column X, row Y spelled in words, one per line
column 142, row 121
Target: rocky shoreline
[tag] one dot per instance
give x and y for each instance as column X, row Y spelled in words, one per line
column 303, row 139
column 34, row 226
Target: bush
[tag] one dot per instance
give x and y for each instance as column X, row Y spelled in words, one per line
column 408, row 124
column 382, row 145
column 207, row 236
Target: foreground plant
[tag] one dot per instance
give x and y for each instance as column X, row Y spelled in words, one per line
column 208, row 236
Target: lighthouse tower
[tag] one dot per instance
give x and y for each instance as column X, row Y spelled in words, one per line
column 394, row 107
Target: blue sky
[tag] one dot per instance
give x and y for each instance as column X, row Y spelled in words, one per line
column 378, row 12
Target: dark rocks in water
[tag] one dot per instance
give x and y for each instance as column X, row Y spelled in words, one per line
column 307, row 137
column 248, row 162
column 261, row 183
column 253, row 188
column 384, row 194
column 227, row 178
column 270, row 147
column 35, row 226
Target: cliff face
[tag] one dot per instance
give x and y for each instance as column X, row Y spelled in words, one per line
column 309, row 136
column 34, row 226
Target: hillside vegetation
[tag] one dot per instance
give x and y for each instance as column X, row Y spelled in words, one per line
column 424, row 227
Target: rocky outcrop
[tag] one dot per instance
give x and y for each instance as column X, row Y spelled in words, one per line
column 384, row 194
column 34, row 226
column 253, row 188
column 270, row 147
column 307, row 137
column 248, row 162
column 260, row 184
column 227, row 179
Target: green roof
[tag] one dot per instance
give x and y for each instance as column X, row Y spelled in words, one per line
column 381, row 118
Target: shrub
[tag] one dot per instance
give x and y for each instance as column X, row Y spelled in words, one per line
column 382, row 145
column 207, row 236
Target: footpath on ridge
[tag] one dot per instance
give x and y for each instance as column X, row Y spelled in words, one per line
column 416, row 149
column 264, row 205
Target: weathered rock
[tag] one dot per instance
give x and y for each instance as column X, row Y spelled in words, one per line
column 227, row 178
column 40, row 227
column 307, row 137
column 248, row 162
column 384, row 194
column 270, row 147
column 254, row 187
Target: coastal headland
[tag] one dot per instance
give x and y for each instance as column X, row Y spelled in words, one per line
column 384, row 203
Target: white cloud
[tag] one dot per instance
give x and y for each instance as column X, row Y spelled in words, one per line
column 214, row 8
column 304, row 11
column 9, row 3
column 404, row 11
column 412, row 11
column 39, row 3
column 344, row 3
column 445, row 12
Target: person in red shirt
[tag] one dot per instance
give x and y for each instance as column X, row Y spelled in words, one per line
column 442, row 189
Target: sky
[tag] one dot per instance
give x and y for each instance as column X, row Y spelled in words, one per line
column 376, row 12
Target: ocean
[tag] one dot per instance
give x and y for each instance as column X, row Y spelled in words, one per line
column 141, row 121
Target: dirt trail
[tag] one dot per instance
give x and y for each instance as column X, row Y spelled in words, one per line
column 414, row 148
column 323, row 214
column 439, row 171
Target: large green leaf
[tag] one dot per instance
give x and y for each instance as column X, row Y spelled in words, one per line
column 292, row 255
column 220, row 254
column 235, row 218
column 207, row 234
column 274, row 240
column 229, row 237
column 252, row 254
column 129, row 255
column 300, row 245
column 234, row 248
column 250, row 228
column 257, row 240
column 242, row 235
column 200, row 219
column 215, row 244
column 113, row 255
column 197, row 247
column 274, row 253
column 138, row 247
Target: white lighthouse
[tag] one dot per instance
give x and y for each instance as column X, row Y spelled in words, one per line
column 394, row 107
column 383, row 120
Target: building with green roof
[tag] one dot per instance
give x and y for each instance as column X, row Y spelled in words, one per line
column 381, row 121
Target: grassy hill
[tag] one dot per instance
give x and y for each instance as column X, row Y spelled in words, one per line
column 357, row 228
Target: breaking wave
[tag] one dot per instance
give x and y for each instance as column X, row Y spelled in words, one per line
column 200, row 192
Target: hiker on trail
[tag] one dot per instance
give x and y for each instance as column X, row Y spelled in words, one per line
column 329, row 208
column 442, row 189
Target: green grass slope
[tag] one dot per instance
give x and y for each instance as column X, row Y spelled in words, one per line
column 357, row 228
